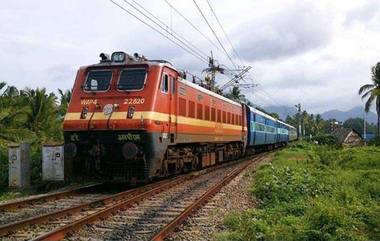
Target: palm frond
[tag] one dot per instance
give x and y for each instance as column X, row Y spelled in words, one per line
column 366, row 87
column 366, row 94
column 369, row 103
column 2, row 85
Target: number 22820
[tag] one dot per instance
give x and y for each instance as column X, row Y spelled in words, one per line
column 134, row 101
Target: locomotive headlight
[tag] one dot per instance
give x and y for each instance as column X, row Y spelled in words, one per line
column 118, row 57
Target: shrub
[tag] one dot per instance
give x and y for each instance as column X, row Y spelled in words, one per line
column 375, row 142
column 310, row 193
column 324, row 139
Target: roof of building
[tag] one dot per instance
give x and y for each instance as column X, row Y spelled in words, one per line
column 341, row 134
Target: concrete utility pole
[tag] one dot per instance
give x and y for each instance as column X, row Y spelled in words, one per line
column 299, row 120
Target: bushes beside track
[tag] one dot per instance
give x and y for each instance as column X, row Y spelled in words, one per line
column 312, row 192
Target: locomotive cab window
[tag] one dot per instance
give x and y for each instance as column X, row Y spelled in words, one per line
column 165, row 84
column 132, row 79
column 98, row 80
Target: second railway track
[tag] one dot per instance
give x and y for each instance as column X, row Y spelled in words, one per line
column 137, row 214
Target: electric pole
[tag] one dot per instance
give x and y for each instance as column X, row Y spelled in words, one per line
column 299, row 120
column 211, row 73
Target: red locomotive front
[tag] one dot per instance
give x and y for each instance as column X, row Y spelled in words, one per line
column 131, row 119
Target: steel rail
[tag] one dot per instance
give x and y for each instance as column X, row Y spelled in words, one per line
column 45, row 197
column 164, row 232
column 14, row 226
column 60, row 233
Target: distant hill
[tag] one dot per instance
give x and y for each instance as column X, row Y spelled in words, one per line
column 339, row 115
column 352, row 113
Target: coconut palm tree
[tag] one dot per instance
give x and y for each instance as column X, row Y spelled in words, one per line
column 12, row 115
column 372, row 92
column 11, row 126
column 65, row 98
column 42, row 110
column 236, row 95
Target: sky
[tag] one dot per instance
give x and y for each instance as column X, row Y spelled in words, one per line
column 317, row 53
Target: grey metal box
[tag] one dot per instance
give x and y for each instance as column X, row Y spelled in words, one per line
column 19, row 167
column 53, row 164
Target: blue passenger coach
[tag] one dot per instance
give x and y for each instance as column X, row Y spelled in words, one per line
column 264, row 131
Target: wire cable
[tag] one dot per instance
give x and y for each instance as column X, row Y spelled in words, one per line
column 193, row 26
column 171, row 29
column 159, row 32
column 224, row 32
column 215, row 35
column 166, row 30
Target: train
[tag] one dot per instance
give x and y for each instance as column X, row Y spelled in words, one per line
column 131, row 119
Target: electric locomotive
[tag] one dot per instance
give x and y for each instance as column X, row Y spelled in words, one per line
column 131, row 119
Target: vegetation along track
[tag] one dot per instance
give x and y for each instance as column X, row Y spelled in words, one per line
column 137, row 214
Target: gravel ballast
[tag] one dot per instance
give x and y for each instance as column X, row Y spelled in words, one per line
column 234, row 197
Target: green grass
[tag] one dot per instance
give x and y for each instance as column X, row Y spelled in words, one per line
column 11, row 195
column 313, row 193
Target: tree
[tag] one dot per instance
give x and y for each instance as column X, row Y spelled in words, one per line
column 319, row 124
column 65, row 98
column 372, row 92
column 11, row 126
column 42, row 112
column 274, row 115
column 236, row 95
column 357, row 124
column 12, row 115
column 354, row 123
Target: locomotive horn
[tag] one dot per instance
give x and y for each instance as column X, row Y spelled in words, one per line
column 104, row 57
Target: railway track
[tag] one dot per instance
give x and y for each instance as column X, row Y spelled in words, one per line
column 41, row 204
column 44, row 197
column 136, row 214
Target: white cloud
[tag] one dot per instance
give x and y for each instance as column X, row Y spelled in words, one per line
column 314, row 52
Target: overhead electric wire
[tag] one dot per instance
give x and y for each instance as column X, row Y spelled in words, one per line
column 185, row 48
column 168, row 27
column 193, row 26
column 214, row 33
column 224, row 32
column 166, row 30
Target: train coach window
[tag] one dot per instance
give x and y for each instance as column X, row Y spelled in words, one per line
column 98, row 80
column 132, row 79
column 219, row 116
column 165, row 83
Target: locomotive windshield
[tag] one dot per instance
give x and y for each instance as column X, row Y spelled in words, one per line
column 132, row 79
column 98, row 80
